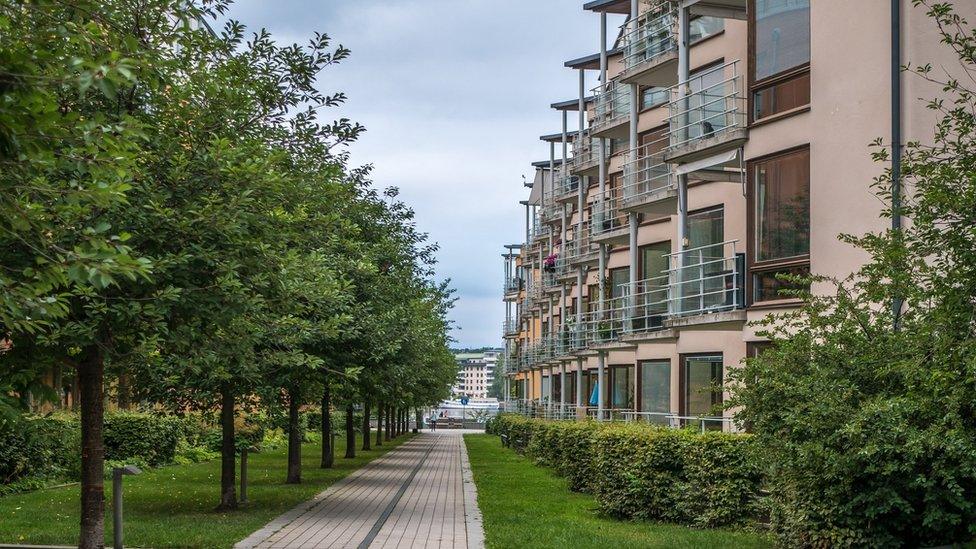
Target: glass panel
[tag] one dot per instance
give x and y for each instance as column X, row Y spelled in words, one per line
column 704, row 263
column 622, row 387
column 706, row 228
column 768, row 286
column 705, row 26
column 703, row 386
column 781, row 97
column 545, row 388
column 783, row 206
column 652, row 97
column 707, row 109
column 619, row 279
column 656, row 388
column 654, row 264
column 782, row 36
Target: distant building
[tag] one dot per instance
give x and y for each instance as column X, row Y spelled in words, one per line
column 476, row 371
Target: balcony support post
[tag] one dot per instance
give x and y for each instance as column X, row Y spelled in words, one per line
column 631, row 304
column 527, row 216
column 579, row 382
column 562, row 389
column 684, row 73
column 565, row 141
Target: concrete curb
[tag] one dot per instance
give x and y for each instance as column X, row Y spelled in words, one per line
column 472, row 514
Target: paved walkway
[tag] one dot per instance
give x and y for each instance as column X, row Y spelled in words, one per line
column 418, row 495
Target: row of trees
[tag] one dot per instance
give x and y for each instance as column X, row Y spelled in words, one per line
column 178, row 224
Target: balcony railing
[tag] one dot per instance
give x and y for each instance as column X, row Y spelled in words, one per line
column 649, row 37
column 550, row 279
column 565, row 187
column 612, row 107
column 709, row 105
column 645, row 309
column 707, row 279
column 510, row 326
column 648, row 176
column 607, row 217
column 579, row 248
column 512, row 284
column 586, row 154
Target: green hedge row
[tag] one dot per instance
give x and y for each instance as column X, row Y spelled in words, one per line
column 640, row 471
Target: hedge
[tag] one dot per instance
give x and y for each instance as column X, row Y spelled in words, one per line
column 641, row 471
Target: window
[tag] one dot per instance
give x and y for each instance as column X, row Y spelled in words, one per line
column 653, row 97
column 704, row 27
column 652, row 293
column 702, row 382
column 655, row 387
column 779, row 222
column 780, row 48
column 619, row 279
column 621, row 387
column 781, row 36
column 706, row 228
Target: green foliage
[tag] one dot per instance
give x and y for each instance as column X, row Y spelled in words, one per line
column 639, row 471
column 148, row 437
column 36, row 450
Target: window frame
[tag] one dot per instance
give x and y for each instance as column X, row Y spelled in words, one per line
column 683, row 378
column 753, row 266
column 781, row 77
column 639, row 381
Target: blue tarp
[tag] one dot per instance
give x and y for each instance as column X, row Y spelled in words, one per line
column 595, row 395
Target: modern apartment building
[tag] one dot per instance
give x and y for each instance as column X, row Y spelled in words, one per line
column 726, row 142
column 476, row 372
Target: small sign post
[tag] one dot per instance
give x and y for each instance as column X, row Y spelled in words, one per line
column 117, row 474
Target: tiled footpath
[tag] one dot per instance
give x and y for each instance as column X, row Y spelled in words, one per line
column 418, row 495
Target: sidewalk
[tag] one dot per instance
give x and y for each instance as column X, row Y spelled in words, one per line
column 419, row 495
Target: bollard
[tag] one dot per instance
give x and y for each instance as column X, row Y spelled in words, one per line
column 243, row 475
column 117, row 474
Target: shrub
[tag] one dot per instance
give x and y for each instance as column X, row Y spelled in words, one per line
column 149, row 437
column 640, row 471
column 39, row 448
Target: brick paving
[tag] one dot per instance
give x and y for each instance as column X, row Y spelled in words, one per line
column 418, row 495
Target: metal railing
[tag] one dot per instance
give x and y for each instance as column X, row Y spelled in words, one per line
column 707, row 279
column 648, row 175
column 565, row 186
column 645, row 309
column 510, row 326
column 606, row 213
column 650, row 35
column 585, row 154
column 709, row 104
column 512, row 284
column 579, row 247
column 612, row 106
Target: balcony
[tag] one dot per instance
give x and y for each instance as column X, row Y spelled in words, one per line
column 579, row 250
column 512, row 286
column 551, row 283
column 565, row 189
column 644, row 310
column 650, row 48
column 611, row 112
column 609, row 224
column 649, row 185
column 510, row 328
column 707, row 115
column 705, row 283
column 586, row 156
column 533, row 293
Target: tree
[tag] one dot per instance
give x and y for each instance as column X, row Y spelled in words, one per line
column 864, row 413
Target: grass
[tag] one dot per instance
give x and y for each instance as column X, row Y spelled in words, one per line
column 174, row 506
column 523, row 505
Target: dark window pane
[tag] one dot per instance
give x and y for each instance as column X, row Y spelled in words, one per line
column 768, row 285
column 619, row 279
column 706, row 228
column 652, row 97
column 781, row 97
column 782, row 216
column 622, row 387
column 782, row 36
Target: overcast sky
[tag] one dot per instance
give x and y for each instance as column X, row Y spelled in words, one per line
column 454, row 95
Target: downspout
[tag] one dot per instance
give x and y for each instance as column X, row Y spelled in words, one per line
column 896, row 147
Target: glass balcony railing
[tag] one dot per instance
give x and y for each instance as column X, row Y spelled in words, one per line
column 707, row 279
column 566, row 186
column 586, row 154
column 649, row 37
column 510, row 326
column 512, row 284
column 709, row 105
column 612, row 107
column 607, row 216
column 579, row 247
column 646, row 308
column 649, row 175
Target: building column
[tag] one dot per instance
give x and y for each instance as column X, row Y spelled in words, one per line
column 562, row 389
column 579, row 383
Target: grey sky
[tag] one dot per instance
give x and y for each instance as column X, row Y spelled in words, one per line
column 454, row 95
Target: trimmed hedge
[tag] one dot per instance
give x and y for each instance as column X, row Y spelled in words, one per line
column 640, row 471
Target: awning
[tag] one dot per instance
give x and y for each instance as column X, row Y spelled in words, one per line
column 714, row 160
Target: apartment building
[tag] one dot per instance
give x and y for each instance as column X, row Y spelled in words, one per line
column 476, row 373
column 726, row 142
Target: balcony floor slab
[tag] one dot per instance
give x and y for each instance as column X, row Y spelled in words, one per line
column 660, row 71
column 704, row 147
column 733, row 318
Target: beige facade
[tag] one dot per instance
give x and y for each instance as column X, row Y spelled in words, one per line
column 728, row 141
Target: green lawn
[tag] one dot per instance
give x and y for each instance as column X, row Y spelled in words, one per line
column 528, row 506
column 173, row 506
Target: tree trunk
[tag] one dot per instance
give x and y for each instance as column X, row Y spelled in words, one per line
column 228, row 450
column 328, row 452
column 367, row 439
column 58, row 383
column 379, row 424
column 91, row 376
column 350, row 432
column 294, row 475
column 419, row 420
column 389, row 423
column 124, row 390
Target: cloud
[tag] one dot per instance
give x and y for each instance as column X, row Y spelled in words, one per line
column 454, row 95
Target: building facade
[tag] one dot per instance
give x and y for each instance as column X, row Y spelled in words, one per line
column 727, row 143
column 476, row 373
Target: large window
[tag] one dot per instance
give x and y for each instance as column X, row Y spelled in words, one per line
column 779, row 222
column 780, row 56
column 655, row 387
column 702, row 382
column 652, row 298
column 619, row 279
